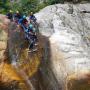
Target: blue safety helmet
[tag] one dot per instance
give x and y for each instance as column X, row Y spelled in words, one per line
column 30, row 26
column 24, row 17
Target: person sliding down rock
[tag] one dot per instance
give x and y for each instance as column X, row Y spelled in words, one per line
column 32, row 38
column 23, row 22
column 32, row 42
column 32, row 29
column 10, row 15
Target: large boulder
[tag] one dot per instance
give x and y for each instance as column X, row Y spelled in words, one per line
column 68, row 29
column 4, row 24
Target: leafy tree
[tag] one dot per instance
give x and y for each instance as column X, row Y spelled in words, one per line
column 29, row 5
column 4, row 6
column 50, row 2
column 25, row 6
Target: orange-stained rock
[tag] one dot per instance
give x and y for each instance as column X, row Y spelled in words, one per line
column 79, row 81
column 8, row 73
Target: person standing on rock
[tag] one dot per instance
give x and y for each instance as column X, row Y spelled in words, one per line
column 10, row 15
column 32, row 17
column 17, row 16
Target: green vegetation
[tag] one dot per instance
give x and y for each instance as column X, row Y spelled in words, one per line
column 4, row 6
column 26, row 6
column 50, row 2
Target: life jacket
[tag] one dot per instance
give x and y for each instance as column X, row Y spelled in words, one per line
column 30, row 28
column 32, row 17
column 17, row 16
column 25, row 21
column 22, row 21
column 9, row 15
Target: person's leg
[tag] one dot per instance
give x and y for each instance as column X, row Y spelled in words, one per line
column 35, row 38
column 31, row 45
column 26, row 36
column 30, row 41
